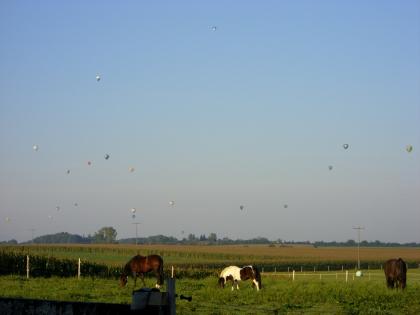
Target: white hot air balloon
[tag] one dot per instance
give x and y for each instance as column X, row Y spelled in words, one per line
column 345, row 146
column 172, row 203
column 133, row 210
column 98, row 78
column 213, row 28
column 35, row 147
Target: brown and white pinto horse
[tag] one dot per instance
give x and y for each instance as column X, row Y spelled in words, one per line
column 236, row 274
column 395, row 273
column 139, row 265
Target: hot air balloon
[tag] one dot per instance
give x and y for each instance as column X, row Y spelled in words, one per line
column 57, row 208
column 89, row 163
column 409, row 148
column 171, row 203
column 330, row 167
column 98, row 78
column 213, row 28
column 76, row 204
column 285, row 206
column 345, row 146
column 131, row 169
column 133, row 216
column 106, row 156
column 241, row 207
column 133, row 210
column 35, row 147
column 68, row 171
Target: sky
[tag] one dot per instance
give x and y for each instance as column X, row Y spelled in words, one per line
column 252, row 112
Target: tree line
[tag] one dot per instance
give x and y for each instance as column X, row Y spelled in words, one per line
column 108, row 235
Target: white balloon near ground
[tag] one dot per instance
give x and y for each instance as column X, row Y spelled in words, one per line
column 359, row 273
column 35, row 147
column 133, row 210
column 409, row 148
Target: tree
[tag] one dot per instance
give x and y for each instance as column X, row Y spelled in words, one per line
column 105, row 235
column 212, row 238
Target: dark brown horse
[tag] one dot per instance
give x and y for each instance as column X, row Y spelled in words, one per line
column 139, row 265
column 395, row 273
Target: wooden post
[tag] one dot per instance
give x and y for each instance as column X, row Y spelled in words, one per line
column 78, row 270
column 293, row 275
column 27, row 267
column 172, row 272
column 171, row 296
column 347, row 275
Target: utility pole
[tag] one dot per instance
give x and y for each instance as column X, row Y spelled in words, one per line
column 358, row 228
column 137, row 224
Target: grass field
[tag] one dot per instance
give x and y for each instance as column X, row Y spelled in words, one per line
column 279, row 294
column 225, row 254
column 311, row 292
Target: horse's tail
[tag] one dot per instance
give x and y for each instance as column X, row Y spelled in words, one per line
column 160, row 280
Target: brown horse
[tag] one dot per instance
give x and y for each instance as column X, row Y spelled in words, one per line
column 139, row 265
column 395, row 273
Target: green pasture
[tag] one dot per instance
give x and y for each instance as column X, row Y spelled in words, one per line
column 280, row 294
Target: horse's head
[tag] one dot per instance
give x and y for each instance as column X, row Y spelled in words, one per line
column 222, row 282
column 257, row 276
column 123, row 280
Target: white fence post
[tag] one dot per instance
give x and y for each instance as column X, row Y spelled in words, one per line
column 27, row 267
column 172, row 272
column 347, row 275
column 78, row 270
column 293, row 275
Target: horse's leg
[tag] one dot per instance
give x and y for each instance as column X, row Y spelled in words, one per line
column 237, row 284
column 256, row 284
column 142, row 279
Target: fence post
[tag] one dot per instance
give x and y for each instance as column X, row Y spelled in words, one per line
column 347, row 275
column 314, row 268
column 171, row 296
column 172, row 272
column 293, row 275
column 27, row 266
column 78, row 269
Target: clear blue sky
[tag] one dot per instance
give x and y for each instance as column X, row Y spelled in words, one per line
column 252, row 113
